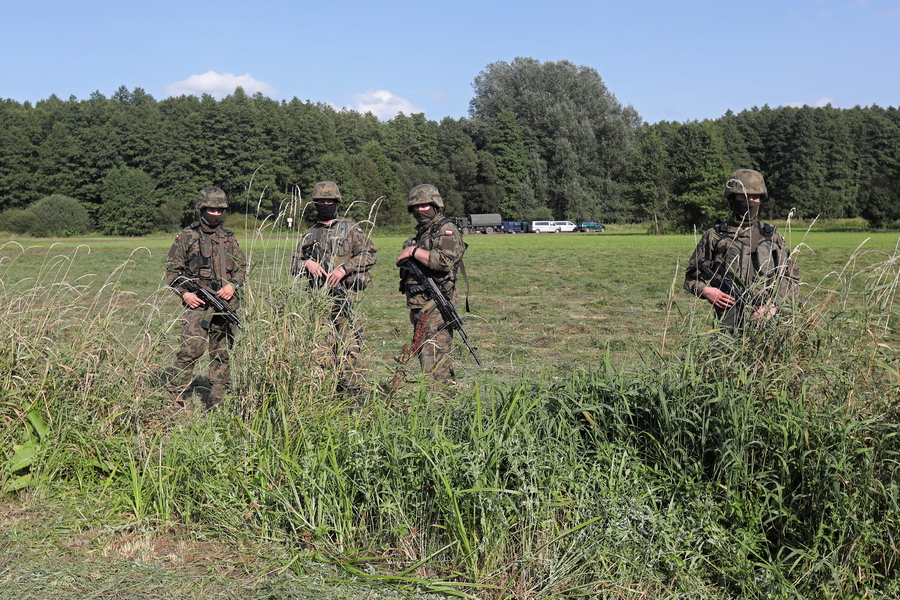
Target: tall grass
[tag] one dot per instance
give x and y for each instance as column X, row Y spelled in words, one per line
column 757, row 466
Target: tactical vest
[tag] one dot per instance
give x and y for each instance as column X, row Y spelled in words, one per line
column 215, row 263
column 331, row 247
column 749, row 258
column 409, row 283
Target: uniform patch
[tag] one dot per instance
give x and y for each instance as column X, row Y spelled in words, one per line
column 448, row 232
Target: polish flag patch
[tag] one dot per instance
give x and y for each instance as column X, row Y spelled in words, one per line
column 448, row 232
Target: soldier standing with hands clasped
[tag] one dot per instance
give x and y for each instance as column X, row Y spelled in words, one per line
column 205, row 254
column 336, row 254
column 743, row 266
column 438, row 247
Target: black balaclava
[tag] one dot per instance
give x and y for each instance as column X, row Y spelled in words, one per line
column 211, row 221
column 743, row 210
column 326, row 212
column 423, row 216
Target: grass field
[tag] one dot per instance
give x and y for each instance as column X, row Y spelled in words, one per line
column 612, row 445
column 539, row 302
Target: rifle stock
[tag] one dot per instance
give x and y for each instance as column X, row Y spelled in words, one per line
column 444, row 306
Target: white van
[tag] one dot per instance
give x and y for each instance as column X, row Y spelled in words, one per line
column 552, row 226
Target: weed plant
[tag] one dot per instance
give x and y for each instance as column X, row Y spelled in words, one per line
column 756, row 466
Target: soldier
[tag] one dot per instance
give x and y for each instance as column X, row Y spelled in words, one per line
column 743, row 264
column 438, row 246
column 336, row 254
column 208, row 254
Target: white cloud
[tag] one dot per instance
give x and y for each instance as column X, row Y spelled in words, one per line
column 821, row 102
column 218, row 85
column 383, row 104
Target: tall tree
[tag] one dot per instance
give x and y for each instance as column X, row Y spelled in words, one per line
column 580, row 131
column 876, row 141
column 808, row 169
column 507, row 146
column 128, row 202
column 698, row 169
column 19, row 143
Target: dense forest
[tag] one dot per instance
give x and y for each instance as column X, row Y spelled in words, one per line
column 542, row 140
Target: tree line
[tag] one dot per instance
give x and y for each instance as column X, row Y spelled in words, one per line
column 542, row 140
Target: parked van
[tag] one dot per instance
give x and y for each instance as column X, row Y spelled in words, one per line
column 552, row 226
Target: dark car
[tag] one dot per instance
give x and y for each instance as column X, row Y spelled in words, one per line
column 590, row 226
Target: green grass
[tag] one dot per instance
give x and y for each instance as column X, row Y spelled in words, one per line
column 614, row 445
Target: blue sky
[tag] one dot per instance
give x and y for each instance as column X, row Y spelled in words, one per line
column 671, row 60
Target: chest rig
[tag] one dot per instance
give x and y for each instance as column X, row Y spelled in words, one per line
column 212, row 269
column 748, row 253
column 330, row 246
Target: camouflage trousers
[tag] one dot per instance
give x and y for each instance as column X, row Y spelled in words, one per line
column 346, row 337
column 432, row 342
column 194, row 342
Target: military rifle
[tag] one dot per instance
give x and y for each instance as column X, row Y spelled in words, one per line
column 729, row 286
column 444, row 306
column 219, row 305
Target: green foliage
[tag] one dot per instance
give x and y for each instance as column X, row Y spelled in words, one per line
column 579, row 130
column 129, row 202
column 713, row 467
column 543, row 140
column 18, row 221
column 60, row 216
column 507, row 146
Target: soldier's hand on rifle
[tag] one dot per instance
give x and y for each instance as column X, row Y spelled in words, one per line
column 334, row 278
column 314, row 268
column 411, row 252
column 192, row 300
column 717, row 297
column 226, row 292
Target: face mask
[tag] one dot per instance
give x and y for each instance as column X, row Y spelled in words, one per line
column 423, row 216
column 211, row 220
column 326, row 212
column 743, row 209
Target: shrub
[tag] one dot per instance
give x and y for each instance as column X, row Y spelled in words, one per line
column 19, row 221
column 60, row 216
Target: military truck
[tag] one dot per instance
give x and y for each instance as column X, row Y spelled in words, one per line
column 483, row 223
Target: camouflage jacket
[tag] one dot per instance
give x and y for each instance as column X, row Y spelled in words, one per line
column 756, row 257
column 214, row 258
column 445, row 244
column 340, row 243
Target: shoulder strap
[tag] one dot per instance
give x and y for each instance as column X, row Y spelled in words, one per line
column 722, row 229
column 462, row 265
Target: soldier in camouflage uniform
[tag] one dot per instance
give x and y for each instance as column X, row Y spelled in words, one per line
column 336, row 254
column 749, row 252
column 438, row 246
column 208, row 254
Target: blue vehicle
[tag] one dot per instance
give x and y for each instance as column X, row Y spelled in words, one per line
column 516, row 226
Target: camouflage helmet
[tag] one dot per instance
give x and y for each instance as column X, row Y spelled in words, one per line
column 424, row 193
column 326, row 190
column 211, row 197
column 746, row 181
